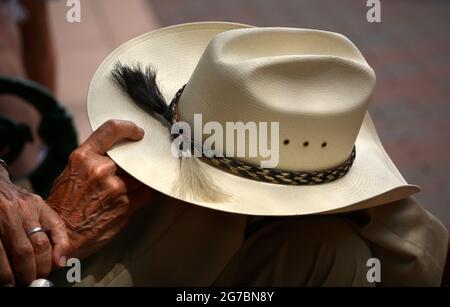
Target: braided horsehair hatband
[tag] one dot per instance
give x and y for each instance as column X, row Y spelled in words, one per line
column 269, row 175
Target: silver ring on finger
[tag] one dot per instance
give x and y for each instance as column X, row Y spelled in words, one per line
column 34, row 231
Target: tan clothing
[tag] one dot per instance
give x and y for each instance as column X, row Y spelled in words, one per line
column 171, row 243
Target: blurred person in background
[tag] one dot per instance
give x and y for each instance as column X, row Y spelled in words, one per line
column 26, row 52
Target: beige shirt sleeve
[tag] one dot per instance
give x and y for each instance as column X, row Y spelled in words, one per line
column 410, row 243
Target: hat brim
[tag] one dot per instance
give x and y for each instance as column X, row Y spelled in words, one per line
column 174, row 51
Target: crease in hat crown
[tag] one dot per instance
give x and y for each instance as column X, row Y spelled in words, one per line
column 316, row 84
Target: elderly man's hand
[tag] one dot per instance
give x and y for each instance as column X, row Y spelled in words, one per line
column 93, row 196
column 23, row 257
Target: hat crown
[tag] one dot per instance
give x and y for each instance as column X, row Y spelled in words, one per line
column 316, row 84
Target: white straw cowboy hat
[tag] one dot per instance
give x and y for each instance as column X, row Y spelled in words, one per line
column 316, row 84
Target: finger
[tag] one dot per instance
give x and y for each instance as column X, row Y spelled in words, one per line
column 21, row 253
column 115, row 186
column 41, row 244
column 42, row 248
column 111, row 133
column 55, row 227
column 42, row 253
column 104, row 166
column 6, row 274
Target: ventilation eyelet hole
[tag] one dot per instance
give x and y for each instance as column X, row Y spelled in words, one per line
column 286, row 142
column 305, row 144
column 324, row 144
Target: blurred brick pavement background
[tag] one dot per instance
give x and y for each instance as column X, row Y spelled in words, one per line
column 409, row 51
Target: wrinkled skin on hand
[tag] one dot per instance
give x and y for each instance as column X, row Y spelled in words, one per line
column 93, row 196
column 22, row 258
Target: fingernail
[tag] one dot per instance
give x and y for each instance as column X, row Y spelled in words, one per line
column 142, row 131
column 62, row 261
